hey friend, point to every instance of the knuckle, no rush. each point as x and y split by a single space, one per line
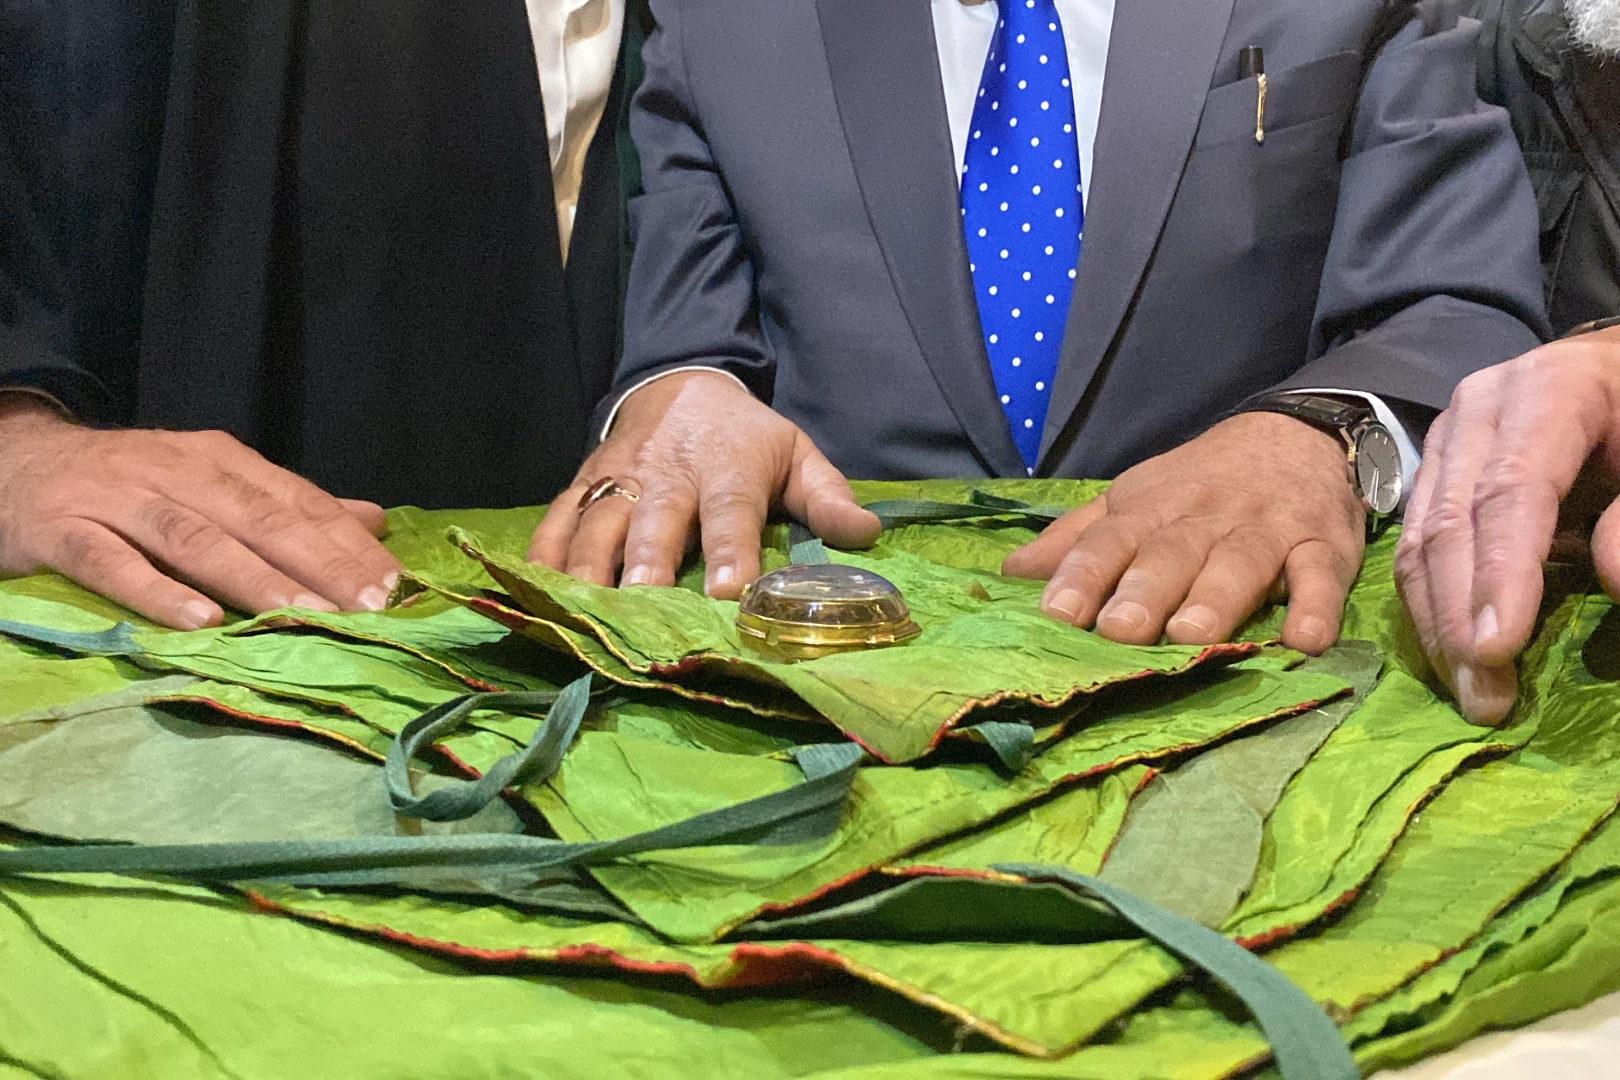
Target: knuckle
1507 478
1136 580
1434 442
1445 522
1343 567
1080 568
180 531
1408 555
1472 387
81 551
213 444
728 502
272 519
244 491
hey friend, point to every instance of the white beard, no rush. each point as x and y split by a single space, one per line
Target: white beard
1595 24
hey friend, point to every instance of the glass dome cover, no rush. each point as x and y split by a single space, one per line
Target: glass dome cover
800 612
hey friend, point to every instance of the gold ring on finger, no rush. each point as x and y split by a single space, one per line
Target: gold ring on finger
602 489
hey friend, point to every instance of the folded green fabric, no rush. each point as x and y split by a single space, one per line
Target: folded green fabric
149 984
973 653
1341 813
1571 959
1192 839
1385 828
611 785
1447 986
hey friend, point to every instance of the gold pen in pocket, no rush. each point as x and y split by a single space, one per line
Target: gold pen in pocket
1252 65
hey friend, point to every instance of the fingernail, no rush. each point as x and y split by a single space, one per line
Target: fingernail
1485 695
641 575
1314 630
721 576
1198 620
195 614
372 598
1485 627
1125 615
1065 605
309 600
390 580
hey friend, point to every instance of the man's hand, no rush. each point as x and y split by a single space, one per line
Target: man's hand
1191 542
162 521
1517 439
707 460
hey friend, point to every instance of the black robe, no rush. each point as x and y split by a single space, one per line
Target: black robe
325 226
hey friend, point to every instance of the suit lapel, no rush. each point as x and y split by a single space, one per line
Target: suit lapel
885 77
1161 61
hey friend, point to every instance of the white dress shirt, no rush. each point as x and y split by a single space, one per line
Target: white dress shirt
576 45
963 30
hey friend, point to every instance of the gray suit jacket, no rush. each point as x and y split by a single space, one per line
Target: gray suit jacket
800 226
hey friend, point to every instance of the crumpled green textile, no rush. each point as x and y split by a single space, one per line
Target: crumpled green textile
148 983
1218 803
1383 818
114 771
972 654
612 786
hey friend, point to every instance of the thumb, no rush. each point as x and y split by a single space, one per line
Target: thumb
818 495
1040 557
1606 549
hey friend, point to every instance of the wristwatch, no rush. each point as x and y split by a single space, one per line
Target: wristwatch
1373 462
1592 326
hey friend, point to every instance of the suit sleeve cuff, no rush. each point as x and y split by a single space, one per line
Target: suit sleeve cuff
1404 441
613 413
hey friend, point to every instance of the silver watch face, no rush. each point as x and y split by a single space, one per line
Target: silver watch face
1378 469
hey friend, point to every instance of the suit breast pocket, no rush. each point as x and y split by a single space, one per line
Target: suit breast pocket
1271 203
1304 94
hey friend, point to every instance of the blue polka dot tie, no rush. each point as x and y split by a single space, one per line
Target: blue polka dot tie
1021 210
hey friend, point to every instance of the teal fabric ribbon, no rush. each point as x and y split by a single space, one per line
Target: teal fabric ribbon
1305 1042
538 760
802 812
894 513
805 549
118 640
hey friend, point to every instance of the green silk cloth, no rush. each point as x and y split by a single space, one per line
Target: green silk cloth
1418 877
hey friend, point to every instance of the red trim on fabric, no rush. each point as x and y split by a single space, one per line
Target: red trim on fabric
508 618
274 721
601 956
758 964
742 967
790 905
1288 930
1270 937
457 762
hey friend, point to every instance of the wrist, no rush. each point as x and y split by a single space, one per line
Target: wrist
648 402
1280 430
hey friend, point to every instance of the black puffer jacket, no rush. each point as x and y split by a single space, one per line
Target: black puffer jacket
1565 104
